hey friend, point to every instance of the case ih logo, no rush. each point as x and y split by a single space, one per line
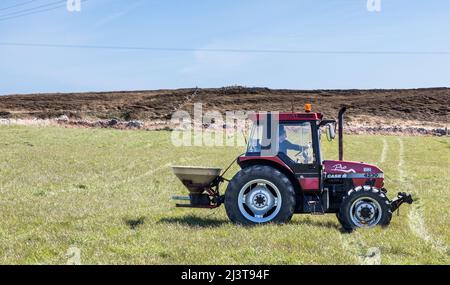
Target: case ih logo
337 176
342 168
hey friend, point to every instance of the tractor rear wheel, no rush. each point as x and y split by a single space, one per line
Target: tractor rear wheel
364 207
260 194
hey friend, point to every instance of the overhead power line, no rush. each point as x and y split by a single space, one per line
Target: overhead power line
17 5
223 50
35 10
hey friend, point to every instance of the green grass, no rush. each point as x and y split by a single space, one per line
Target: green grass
108 192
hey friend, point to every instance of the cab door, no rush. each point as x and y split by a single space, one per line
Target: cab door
305 162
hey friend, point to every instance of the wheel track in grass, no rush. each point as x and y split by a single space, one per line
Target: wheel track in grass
37 229
110 173
384 151
157 169
152 171
354 244
416 220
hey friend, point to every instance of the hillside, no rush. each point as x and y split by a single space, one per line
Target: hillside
427 106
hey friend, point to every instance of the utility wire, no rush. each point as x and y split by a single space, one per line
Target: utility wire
17 5
35 10
31 13
223 50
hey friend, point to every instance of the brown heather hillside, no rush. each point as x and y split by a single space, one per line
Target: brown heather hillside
423 105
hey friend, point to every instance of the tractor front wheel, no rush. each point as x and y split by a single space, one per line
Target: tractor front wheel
260 194
364 207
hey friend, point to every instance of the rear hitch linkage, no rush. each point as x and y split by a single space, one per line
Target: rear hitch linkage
402 197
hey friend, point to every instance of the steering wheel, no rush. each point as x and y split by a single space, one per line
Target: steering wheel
304 152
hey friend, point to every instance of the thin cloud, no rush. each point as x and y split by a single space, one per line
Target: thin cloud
117 15
217 61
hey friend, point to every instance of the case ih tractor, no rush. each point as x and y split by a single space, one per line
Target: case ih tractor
282 173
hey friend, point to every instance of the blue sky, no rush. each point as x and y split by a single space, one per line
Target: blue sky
331 25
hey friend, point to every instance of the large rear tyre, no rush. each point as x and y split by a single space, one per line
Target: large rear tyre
260 194
364 207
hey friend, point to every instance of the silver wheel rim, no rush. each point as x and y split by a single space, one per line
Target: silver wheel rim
259 201
365 212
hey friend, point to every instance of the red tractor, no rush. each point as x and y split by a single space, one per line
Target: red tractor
282 173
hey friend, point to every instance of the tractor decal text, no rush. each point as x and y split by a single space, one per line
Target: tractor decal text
354 175
342 168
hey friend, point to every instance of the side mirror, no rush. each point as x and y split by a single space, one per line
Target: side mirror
331 131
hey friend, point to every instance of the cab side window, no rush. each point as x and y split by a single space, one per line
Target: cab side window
296 142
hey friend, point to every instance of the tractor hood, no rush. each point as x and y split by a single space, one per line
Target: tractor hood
352 169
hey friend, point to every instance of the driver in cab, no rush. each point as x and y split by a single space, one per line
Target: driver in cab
285 144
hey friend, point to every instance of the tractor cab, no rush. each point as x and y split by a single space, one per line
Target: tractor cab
291 141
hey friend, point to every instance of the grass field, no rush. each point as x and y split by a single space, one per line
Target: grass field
107 193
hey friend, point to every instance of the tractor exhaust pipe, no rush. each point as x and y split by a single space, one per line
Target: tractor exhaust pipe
341 132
